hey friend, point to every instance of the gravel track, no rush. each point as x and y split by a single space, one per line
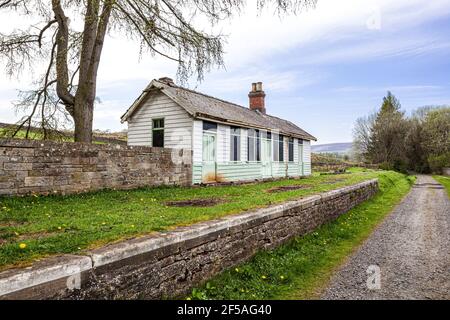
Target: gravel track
411 247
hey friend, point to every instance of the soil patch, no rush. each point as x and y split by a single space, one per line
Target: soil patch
195 203
10 237
11 223
288 188
334 181
35 235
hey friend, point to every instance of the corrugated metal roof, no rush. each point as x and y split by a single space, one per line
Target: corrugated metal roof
200 105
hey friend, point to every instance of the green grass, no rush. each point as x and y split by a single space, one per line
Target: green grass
445 181
300 268
69 224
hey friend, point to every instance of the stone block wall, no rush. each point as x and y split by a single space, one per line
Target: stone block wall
37 167
169 264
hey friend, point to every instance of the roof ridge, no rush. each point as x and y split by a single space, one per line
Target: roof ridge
203 94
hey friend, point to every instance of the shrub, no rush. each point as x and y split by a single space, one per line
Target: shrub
437 162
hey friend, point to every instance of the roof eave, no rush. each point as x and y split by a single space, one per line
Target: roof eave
202 116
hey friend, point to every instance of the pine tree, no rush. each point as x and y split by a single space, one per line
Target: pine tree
388 133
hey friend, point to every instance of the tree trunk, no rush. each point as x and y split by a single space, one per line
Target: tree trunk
93 37
83 116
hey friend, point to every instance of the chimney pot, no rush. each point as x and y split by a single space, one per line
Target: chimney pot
167 80
256 98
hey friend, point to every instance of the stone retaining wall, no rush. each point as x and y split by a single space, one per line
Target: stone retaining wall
30 166
170 264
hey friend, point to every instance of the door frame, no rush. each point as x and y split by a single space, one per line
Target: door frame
209 167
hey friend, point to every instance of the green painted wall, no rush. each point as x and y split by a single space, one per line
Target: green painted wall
245 171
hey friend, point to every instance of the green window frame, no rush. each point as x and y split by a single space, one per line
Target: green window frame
158 132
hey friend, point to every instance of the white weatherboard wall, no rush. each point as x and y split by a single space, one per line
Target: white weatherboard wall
307 157
177 123
223 143
197 142
244 135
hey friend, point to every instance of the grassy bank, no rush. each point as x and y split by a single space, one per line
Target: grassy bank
36 226
445 181
299 269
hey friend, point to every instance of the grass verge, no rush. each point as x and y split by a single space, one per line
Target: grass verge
300 268
36 226
445 181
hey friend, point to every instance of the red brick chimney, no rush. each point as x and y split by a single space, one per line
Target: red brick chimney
256 97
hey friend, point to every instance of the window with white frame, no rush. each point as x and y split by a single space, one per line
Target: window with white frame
235 144
291 150
253 145
278 148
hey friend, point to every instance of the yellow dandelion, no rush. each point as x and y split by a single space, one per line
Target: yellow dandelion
22 245
59 228
237 269
282 277
263 277
132 225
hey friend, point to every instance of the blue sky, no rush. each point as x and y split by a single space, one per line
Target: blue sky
321 69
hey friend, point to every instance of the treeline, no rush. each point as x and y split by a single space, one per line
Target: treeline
419 142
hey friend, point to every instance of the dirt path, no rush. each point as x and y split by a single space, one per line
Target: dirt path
410 249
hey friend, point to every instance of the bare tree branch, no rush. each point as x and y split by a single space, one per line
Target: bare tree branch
62 38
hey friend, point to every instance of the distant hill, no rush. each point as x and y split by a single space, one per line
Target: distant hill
341 147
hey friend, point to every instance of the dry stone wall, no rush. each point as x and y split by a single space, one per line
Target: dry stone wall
28 167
